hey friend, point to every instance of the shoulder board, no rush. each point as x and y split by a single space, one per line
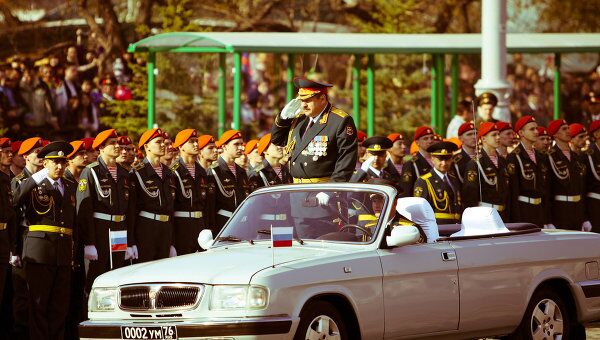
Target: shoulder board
589 151
551 151
214 165
139 166
91 165
426 176
414 158
20 177
338 112
175 166
517 150
69 180
457 157
258 168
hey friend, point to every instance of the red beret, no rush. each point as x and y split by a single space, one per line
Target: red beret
250 146
77 145
45 142
465 127
423 131
575 129
30 144
395 136
150 135
228 136
523 121
264 143
555 125
88 142
485 128
102 137
542 131
183 136
165 135
360 136
15 146
124 140
5 142
501 126
593 127
204 140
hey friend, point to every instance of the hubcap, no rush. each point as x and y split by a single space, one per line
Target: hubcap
547 321
321 328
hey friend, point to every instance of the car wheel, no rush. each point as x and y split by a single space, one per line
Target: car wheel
321 320
546 317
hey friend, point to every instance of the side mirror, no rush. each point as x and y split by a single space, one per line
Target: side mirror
205 239
403 235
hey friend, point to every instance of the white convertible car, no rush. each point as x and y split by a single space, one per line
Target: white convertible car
356 269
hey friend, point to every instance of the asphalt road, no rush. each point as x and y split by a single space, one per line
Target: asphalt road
593 331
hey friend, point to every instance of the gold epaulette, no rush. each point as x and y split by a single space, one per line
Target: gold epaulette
426 176
339 112
20 177
175 166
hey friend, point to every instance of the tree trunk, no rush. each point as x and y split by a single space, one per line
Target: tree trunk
144 13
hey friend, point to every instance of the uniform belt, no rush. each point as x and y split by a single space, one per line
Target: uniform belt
51 229
534 201
311 180
225 213
108 217
3 225
593 195
156 217
447 216
188 214
566 198
273 217
498 207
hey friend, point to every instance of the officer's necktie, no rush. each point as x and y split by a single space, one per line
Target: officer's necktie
310 123
58 188
447 180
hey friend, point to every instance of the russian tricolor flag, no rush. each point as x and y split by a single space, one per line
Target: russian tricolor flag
118 240
282 236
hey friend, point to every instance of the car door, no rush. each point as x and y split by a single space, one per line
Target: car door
420 287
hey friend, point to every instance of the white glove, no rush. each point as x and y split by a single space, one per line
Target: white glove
586 226
128 253
291 109
322 198
549 226
172 252
90 253
39 176
15 260
367 163
134 253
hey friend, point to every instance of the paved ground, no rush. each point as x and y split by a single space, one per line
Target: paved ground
593 331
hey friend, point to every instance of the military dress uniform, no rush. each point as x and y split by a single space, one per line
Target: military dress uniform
48 246
322 149
460 161
264 175
416 167
7 226
231 190
591 159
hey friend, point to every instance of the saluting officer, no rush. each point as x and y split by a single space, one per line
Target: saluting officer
102 202
486 179
396 153
320 137
7 214
439 186
375 164
468 137
231 180
152 195
591 159
567 181
528 172
48 246
420 164
191 194
270 171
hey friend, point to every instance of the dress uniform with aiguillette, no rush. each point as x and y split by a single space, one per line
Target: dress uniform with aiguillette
376 146
441 190
264 174
323 148
417 166
48 246
7 222
102 205
190 199
591 158
150 214
461 159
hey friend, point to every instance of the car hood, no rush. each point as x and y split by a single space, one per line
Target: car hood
223 265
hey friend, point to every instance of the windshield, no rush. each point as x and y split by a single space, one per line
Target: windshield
341 215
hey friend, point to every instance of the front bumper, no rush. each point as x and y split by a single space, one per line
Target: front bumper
193 328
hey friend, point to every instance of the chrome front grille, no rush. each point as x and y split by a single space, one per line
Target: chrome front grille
160 297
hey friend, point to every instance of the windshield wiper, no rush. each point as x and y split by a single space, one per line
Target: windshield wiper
268 232
231 238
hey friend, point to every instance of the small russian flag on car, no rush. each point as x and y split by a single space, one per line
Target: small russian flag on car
282 236
118 240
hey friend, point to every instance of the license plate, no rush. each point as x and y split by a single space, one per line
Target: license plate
148 332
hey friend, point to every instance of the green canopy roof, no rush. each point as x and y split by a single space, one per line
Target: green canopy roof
230 42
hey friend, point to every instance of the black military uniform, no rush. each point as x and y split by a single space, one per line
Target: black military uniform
486 184
416 167
7 230
102 205
460 161
48 246
326 150
528 187
376 146
567 189
191 208
231 190
592 161
443 194
264 175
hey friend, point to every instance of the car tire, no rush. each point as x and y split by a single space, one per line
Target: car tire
546 313
321 320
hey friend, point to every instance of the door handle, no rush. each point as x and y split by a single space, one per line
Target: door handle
448 256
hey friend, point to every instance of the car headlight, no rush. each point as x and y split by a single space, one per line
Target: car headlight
239 297
102 300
